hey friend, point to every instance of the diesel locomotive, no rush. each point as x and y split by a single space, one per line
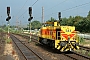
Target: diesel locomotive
62 38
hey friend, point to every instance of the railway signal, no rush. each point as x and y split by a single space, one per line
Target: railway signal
59 16
30 18
30 11
8 11
30 14
8 18
8 14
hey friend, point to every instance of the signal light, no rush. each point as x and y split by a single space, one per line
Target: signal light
8 11
59 15
30 14
8 18
30 10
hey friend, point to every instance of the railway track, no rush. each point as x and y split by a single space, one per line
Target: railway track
71 55
84 48
28 53
76 56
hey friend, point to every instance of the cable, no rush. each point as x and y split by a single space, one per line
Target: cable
26 10
34 3
70 8
22 7
58 4
38 0
22 14
75 7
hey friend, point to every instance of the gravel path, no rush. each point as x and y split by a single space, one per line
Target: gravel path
7 51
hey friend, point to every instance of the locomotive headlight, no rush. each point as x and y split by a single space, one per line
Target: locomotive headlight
63 44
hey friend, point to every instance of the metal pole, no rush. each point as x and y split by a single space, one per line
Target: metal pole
8 29
2 21
30 30
42 16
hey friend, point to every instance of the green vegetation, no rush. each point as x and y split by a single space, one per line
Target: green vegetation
35 25
82 24
88 53
83 52
81 40
8 40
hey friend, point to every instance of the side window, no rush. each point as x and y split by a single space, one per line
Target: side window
58 34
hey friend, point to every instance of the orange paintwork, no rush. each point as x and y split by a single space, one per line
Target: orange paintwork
66 36
62 31
49 33
43 31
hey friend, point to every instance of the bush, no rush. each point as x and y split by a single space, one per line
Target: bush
8 41
89 54
81 39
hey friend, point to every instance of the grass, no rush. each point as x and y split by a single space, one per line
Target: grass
7 40
88 53
83 52
82 40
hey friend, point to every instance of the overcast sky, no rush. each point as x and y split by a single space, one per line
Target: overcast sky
19 9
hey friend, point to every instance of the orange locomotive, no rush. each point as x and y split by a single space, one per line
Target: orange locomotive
63 38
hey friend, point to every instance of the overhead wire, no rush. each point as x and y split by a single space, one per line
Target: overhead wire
62 10
56 5
71 8
22 14
38 0
50 8
76 6
21 8
35 2
27 10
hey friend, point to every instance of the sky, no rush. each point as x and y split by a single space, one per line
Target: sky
19 10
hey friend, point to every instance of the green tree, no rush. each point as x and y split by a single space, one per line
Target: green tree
64 21
77 19
88 16
35 25
70 21
51 20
